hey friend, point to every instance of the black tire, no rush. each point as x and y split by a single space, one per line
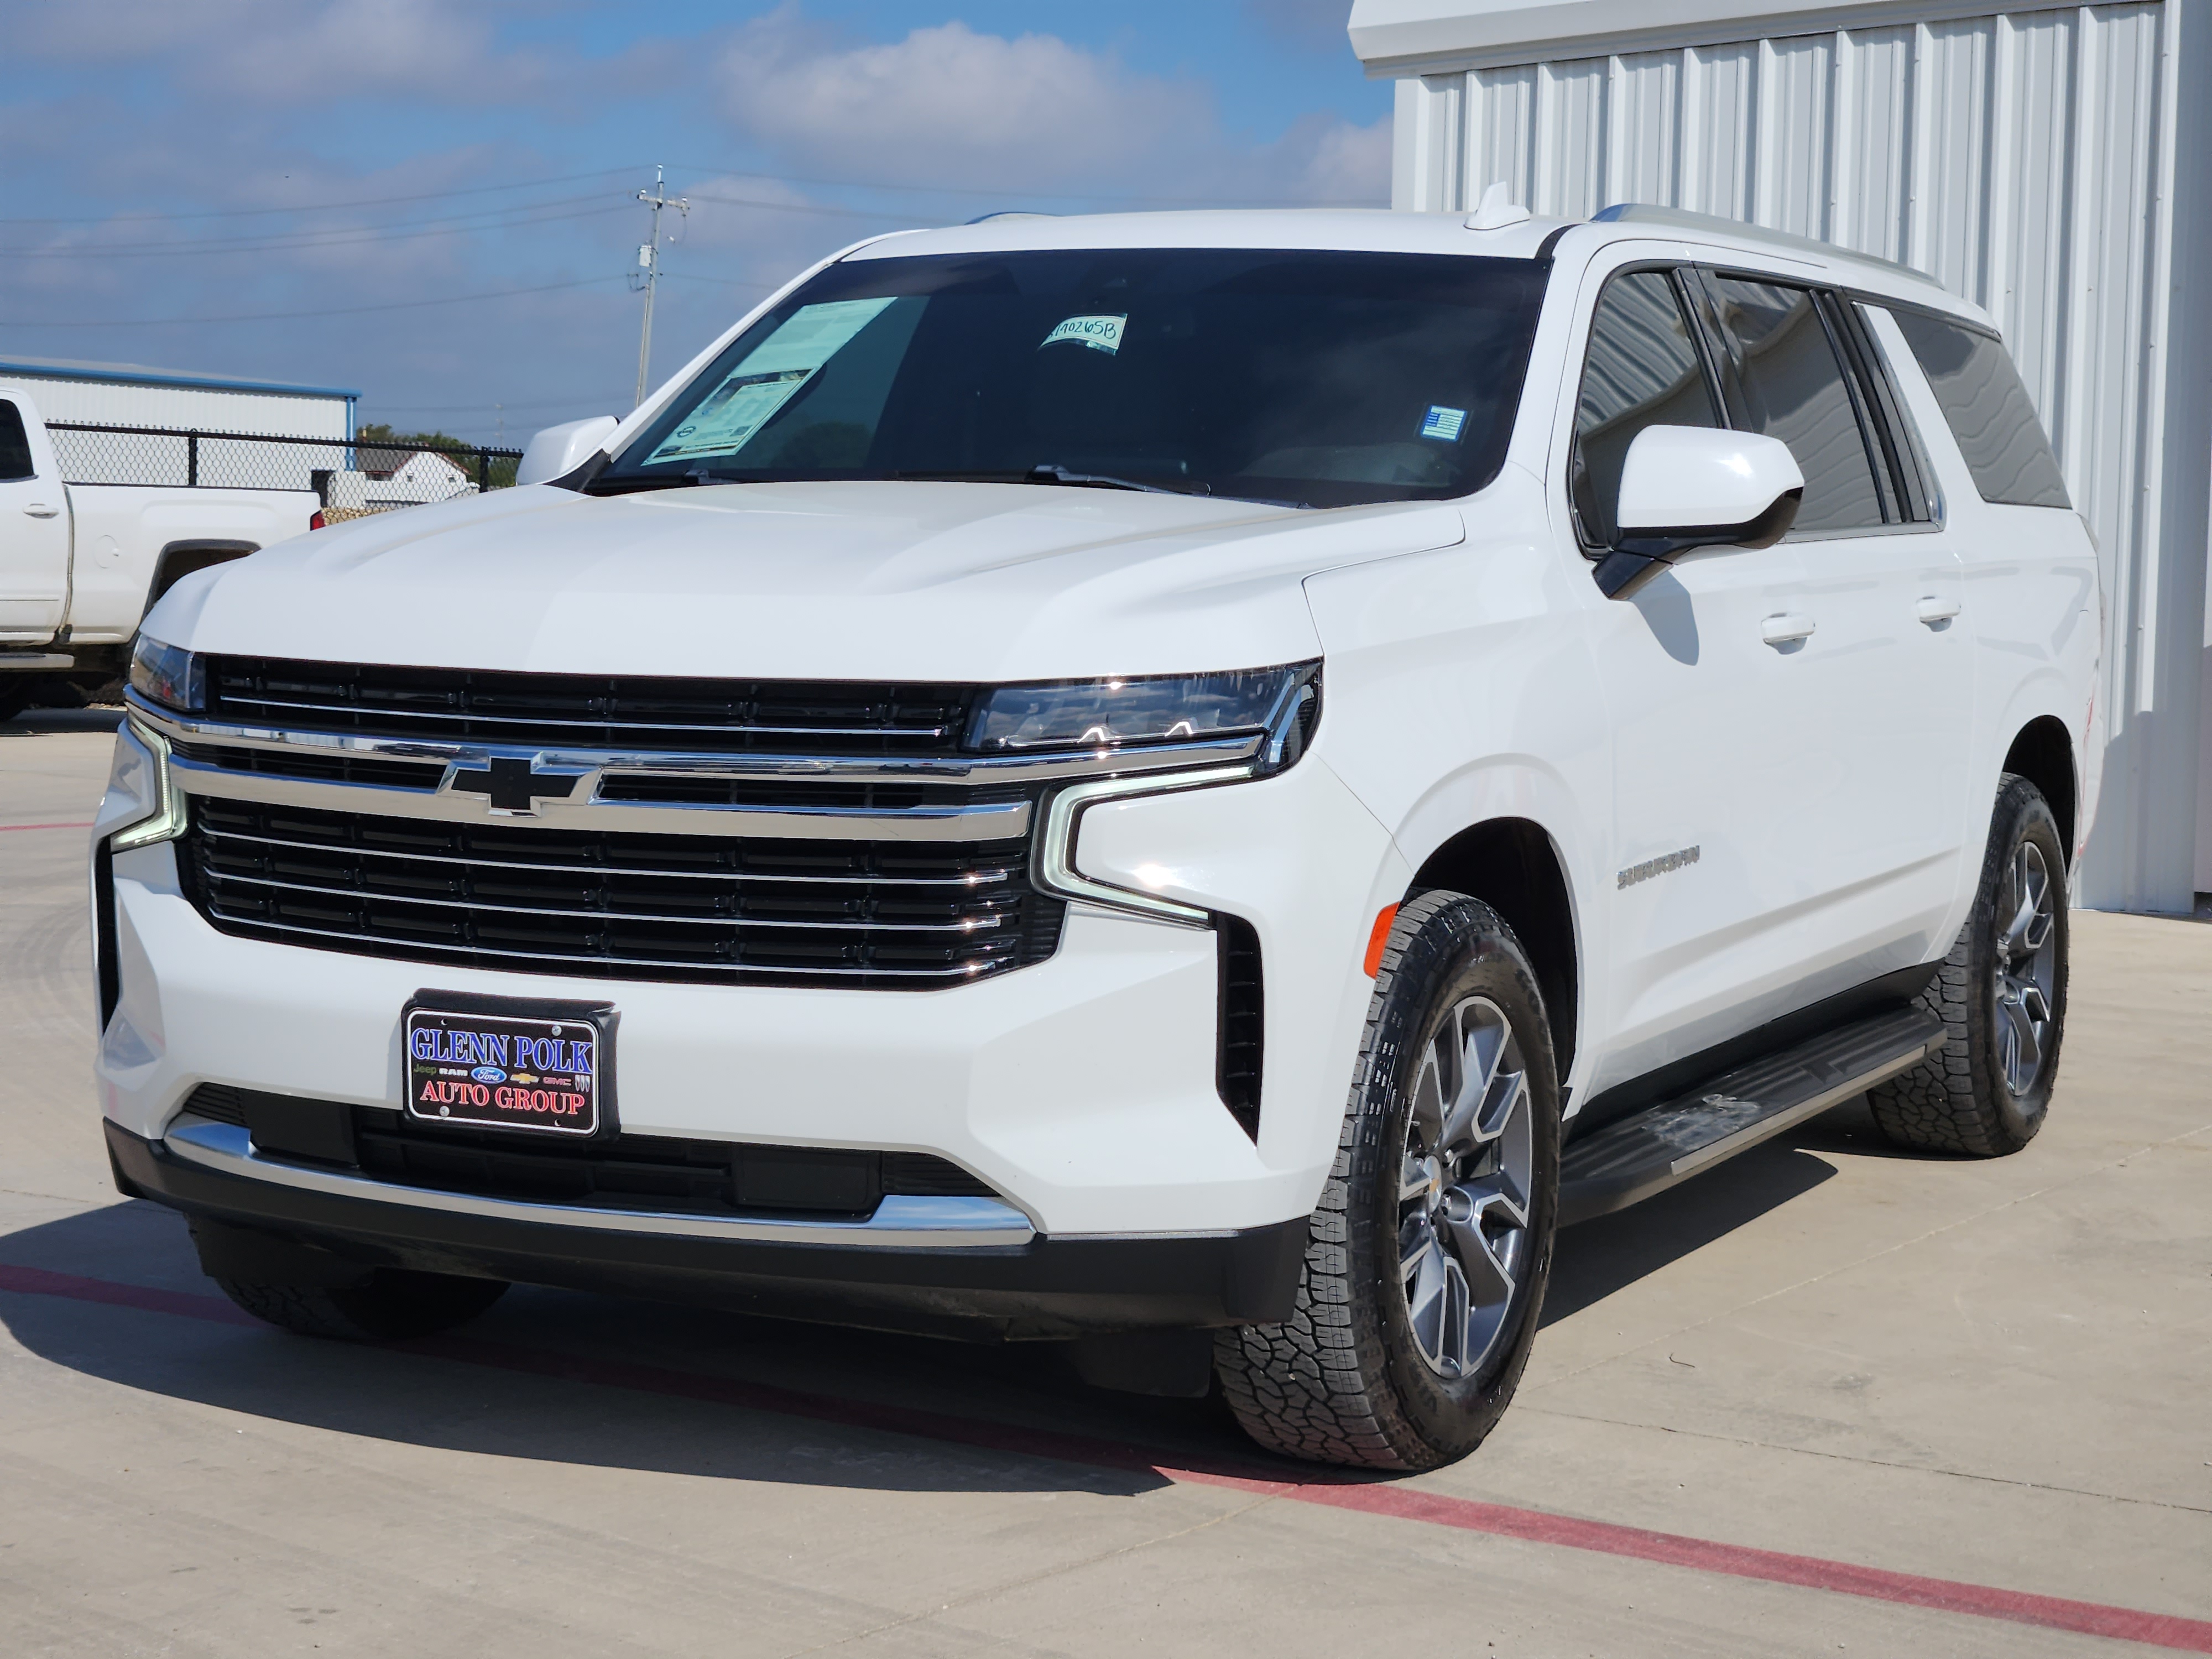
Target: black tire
1967 1098
16 691
392 1304
1351 1378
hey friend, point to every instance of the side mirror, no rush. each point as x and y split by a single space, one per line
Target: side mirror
1687 487
560 450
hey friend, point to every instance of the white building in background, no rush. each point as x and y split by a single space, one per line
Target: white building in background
2048 162
129 394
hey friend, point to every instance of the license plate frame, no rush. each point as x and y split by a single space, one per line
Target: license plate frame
462 1066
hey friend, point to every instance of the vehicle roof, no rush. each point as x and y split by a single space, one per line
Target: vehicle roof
1385 230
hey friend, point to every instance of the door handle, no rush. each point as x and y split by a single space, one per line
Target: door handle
1932 610
40 510
1786 627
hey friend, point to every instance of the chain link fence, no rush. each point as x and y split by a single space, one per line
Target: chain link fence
350 477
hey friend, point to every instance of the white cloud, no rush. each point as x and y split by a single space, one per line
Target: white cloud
292 52
950 105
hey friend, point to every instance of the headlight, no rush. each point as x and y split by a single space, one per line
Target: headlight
1281 702
169 675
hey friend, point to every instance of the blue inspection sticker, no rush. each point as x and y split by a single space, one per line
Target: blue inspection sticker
1443 424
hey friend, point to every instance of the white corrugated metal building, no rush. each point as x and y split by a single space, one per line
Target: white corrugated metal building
129 394
2044 161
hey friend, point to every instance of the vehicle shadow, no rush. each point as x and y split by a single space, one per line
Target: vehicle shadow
569 1378
1610 1253
116 1294
47 722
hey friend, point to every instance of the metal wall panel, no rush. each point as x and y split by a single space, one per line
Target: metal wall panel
2025 159
122 403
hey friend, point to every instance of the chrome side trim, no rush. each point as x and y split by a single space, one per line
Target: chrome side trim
1054 870
976 771
900 1222
988 821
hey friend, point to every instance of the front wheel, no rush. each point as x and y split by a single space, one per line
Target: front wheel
2002 994
1430 1251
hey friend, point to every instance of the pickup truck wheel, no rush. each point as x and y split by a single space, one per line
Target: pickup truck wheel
16 694
1430 1251
2002 991
394 1304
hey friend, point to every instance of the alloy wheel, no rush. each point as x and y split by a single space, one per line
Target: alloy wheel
1463 1192
2025 972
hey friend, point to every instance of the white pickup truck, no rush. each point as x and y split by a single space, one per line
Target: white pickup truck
1196 784
81 563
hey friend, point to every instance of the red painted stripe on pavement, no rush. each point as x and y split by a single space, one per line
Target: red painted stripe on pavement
87 825
1367 1497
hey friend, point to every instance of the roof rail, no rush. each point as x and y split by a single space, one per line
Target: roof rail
1640 213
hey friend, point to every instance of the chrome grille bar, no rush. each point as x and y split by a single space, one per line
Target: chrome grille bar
971 924
978 878
965 970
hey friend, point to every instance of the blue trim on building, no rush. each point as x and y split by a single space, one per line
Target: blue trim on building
55 368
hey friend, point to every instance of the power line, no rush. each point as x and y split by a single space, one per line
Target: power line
330 207
1042 194
304 240
341 311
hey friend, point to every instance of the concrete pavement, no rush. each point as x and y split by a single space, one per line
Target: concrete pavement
1990 1372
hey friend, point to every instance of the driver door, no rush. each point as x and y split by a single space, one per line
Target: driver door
1721 749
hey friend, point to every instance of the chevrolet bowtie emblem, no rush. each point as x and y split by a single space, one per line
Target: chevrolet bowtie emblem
514 786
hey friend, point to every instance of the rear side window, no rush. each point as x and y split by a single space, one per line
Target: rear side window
1988 410
1643 371
15 446
1786 381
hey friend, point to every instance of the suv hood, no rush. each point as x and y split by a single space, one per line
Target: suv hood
855 581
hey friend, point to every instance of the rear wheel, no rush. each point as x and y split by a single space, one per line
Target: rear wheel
2001 993
1417 1306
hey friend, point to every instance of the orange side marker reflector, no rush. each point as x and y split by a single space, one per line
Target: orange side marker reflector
1378 938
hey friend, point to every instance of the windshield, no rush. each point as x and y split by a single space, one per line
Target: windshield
1319 379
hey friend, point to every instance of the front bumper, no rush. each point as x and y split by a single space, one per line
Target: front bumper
1083 1088
1029 1286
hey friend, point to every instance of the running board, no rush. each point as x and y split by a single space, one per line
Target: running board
1627 1162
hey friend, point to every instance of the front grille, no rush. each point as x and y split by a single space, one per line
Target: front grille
885 915
621 712
324 765
620 1171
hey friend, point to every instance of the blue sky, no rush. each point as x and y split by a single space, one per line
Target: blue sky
276 187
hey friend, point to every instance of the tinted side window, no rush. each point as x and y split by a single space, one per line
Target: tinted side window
1643 371
14 446
1988 411
1789 384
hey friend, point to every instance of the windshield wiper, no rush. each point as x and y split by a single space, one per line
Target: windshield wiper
1052 472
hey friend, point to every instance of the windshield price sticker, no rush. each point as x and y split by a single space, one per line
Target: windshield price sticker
497 1071
1099 333
733 413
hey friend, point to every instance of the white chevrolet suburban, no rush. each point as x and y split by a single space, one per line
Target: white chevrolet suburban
1192 784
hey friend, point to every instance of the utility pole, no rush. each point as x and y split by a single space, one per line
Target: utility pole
648 263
